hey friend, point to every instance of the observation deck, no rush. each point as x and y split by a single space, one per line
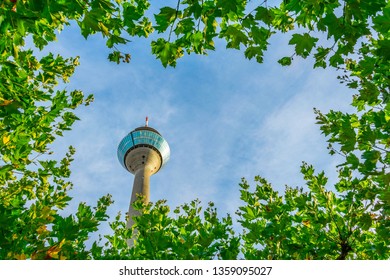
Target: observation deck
146 137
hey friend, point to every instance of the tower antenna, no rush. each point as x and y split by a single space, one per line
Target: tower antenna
147 121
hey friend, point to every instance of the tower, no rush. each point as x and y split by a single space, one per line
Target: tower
142 152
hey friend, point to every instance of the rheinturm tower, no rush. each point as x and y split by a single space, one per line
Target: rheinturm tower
142 152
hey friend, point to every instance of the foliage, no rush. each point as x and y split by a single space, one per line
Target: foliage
32 113
192 234
351 222
313 224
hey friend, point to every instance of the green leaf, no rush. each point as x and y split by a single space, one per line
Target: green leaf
264 15
382 22
384 49
165 18
285 61
365 221
114 40
371 158
353 161
235 37
303 44
320 57
167 52
254 52
197 41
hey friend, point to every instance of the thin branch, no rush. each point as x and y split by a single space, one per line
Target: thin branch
382 149
200 18
173 23
261 4
337 152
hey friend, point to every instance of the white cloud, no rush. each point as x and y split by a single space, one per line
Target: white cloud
289 135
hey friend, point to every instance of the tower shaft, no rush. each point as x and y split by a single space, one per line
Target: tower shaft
141 186
145 162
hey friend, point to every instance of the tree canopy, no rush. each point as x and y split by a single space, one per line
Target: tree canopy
353 222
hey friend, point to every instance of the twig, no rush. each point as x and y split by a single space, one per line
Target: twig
173 23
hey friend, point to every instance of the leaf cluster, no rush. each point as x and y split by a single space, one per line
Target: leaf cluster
33 112
313 224
192 233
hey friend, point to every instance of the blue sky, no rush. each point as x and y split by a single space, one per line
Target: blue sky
223 116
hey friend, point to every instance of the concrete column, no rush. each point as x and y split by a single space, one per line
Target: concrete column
141 186
143 162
